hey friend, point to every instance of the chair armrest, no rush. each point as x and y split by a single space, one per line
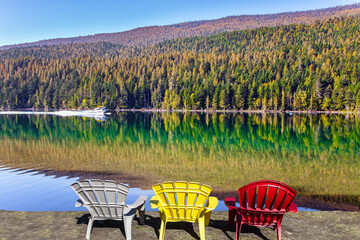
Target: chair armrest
155 202
79 203
292 207
211 203
139 203
230 203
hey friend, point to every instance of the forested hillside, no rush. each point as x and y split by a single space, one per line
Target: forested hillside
148 36
294 67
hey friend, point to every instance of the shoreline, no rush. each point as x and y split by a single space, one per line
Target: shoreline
233 111
187 110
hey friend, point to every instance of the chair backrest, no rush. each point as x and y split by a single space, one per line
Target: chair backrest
263 203
103 199
266 195
182 201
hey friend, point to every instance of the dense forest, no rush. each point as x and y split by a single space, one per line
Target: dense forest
294 67
148 36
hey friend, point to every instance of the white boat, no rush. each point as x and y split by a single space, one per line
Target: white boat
100 111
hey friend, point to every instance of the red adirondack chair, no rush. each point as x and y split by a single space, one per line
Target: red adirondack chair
262 204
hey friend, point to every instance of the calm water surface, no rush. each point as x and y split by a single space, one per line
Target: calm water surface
29 190
318 155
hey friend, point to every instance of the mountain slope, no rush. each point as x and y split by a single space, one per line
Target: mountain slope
294 67
147 36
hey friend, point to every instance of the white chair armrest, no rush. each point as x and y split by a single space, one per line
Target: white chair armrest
139 203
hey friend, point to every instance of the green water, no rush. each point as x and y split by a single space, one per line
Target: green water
318 155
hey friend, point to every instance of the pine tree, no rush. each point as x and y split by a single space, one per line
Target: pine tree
215 102
176 101
283 101
239 99
166 104
358 102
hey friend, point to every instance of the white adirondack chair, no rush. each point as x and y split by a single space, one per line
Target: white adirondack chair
105 200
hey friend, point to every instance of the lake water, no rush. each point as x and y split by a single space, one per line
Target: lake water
29 190
41 155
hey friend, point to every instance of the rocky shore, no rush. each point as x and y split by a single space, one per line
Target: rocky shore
72 225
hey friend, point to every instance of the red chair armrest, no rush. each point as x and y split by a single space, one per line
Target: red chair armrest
230 203
292 207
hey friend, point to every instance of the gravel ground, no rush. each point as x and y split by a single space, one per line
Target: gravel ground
72 225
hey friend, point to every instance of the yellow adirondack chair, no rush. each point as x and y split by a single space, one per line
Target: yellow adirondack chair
182 201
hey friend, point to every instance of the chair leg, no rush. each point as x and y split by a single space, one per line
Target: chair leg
278 229
202 227
142 216
207 218
127 226
231 217
238 227
162 227
141 211
89 228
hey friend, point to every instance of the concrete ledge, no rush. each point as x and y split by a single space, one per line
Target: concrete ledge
72 225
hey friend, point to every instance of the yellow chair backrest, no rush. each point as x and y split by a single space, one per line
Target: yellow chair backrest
182 201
